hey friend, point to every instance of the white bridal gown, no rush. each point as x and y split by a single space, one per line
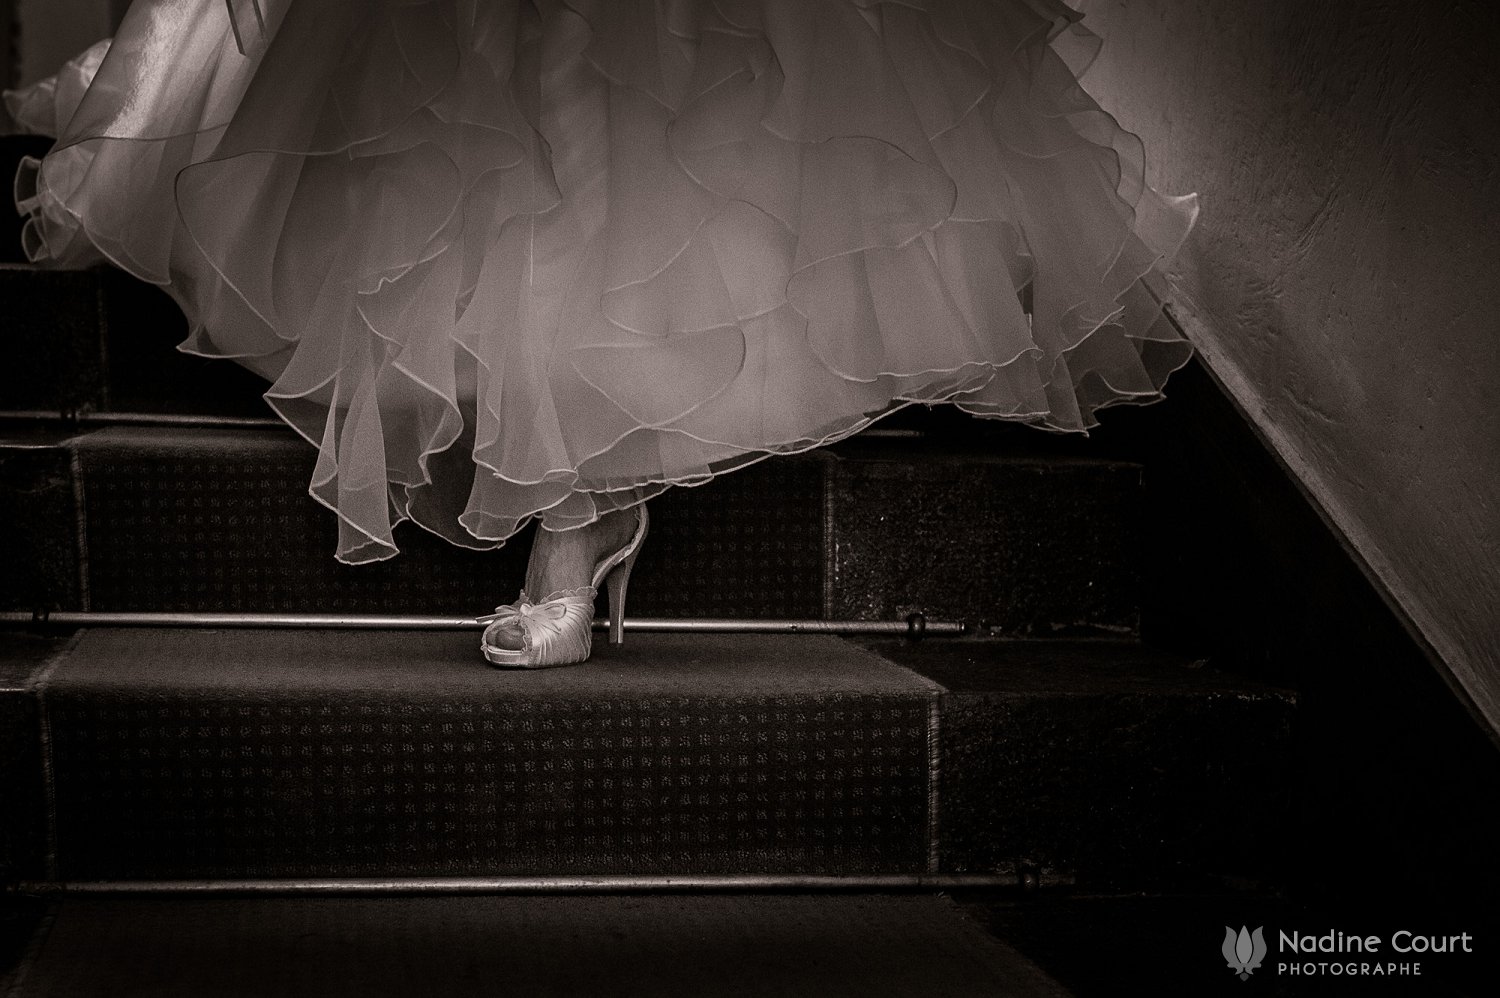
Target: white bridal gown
503 259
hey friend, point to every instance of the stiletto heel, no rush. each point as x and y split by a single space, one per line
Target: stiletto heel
615 572
618 582
559 629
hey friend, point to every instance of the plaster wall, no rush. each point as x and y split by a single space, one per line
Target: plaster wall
1345 279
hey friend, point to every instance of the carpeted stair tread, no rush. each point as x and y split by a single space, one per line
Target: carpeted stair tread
840 945
154 664
265 754
185 754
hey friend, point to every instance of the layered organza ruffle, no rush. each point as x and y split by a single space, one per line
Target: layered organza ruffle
514 259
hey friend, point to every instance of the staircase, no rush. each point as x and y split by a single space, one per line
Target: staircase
980 712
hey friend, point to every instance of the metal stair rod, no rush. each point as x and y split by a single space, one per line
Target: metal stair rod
578 884
915 625
163 419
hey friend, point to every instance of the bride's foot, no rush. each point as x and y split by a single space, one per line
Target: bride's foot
566 559
564 571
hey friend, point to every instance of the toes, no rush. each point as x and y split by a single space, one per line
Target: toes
506 639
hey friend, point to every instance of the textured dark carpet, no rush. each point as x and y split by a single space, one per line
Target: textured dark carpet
1130 769
864 946
179 520
173 519
179 754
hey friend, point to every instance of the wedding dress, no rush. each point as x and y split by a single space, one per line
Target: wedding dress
504 260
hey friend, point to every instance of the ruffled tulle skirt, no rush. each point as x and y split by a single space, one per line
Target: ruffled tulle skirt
504 260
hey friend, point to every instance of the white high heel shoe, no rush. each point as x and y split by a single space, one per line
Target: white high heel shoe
560 629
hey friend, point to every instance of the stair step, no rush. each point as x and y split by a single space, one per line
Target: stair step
180 520
182 755
1111 760
98 340
537 946
252 755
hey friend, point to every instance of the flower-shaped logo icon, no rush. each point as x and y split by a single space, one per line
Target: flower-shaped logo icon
1244 950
